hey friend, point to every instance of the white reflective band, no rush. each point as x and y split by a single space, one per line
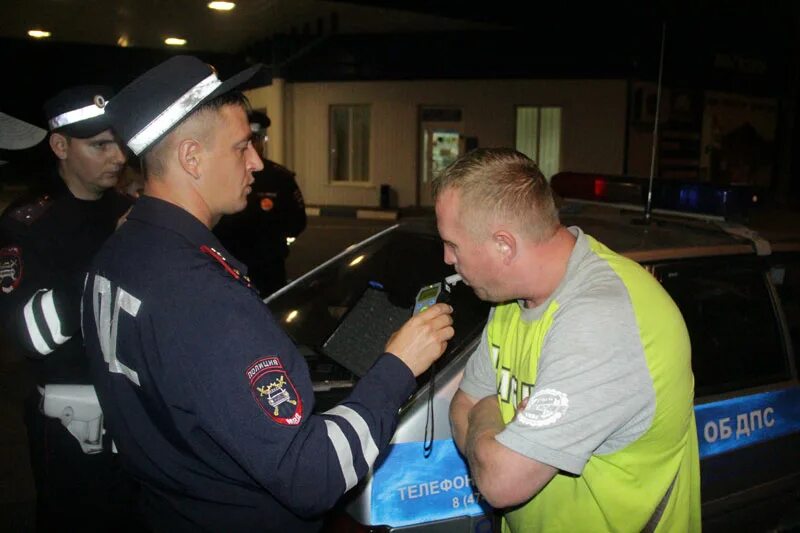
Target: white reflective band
173 114
368 448
51 317
343 452
38 341
76 115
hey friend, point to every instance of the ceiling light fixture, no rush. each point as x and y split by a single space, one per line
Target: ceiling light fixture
221 6
175 41
39 34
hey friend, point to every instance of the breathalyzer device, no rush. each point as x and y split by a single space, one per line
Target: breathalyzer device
435 292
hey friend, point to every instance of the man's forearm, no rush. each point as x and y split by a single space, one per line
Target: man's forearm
484 422
459 415
503 476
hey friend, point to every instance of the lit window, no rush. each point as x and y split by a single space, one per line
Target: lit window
539 137
349 143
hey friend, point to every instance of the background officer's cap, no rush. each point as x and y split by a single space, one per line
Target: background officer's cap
153 104
18 135
259 121
79 111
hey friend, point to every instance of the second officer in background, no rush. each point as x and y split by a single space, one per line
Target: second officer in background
275 210
47 238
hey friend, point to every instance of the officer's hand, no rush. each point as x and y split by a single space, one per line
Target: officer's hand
422 339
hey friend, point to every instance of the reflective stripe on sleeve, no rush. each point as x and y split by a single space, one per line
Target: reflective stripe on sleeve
51 317
39 311
35 334
368 447
343 452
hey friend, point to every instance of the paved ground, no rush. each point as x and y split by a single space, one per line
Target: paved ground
324 238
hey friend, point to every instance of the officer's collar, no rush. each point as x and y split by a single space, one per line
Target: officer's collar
160 213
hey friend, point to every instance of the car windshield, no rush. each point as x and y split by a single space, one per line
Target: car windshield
342 314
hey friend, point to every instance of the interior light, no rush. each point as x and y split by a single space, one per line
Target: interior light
123 41
291 316
39 34
221 6
175 41
356 261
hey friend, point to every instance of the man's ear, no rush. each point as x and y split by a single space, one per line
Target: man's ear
190 156
59 145
506 245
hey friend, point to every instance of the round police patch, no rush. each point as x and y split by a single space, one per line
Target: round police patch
266 204
10 268
545 407
274 391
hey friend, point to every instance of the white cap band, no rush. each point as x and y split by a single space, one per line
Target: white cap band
173 114
76 115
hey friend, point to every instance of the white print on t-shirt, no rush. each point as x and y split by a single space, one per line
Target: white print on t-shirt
545 407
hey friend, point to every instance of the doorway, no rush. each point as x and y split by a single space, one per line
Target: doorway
441 143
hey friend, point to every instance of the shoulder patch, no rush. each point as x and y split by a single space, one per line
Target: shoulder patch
234 272
266 204
544 408
10 268
30 212
274 392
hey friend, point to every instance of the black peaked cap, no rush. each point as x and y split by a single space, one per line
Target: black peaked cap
153 104
74 99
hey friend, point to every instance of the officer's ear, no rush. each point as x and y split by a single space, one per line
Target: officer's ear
189 156
59 144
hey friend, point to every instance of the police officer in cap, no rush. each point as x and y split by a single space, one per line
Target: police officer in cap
47 239
275 210
209 403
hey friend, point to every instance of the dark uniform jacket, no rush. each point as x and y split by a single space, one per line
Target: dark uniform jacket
209 402
47 239
257 235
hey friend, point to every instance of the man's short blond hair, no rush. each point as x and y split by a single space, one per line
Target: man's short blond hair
500 185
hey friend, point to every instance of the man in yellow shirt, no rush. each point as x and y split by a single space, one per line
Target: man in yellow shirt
576 410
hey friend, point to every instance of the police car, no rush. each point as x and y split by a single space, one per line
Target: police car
738 290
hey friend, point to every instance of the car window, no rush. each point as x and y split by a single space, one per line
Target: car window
729 312
785 275
348 309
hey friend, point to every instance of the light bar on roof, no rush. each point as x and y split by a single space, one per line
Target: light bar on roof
673 195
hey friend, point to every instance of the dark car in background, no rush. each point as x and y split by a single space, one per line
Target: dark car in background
739 293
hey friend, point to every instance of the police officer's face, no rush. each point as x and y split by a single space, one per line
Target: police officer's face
94 164
232 160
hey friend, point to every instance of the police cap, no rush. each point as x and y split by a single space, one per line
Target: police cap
79 111
153 104
259 121
18 135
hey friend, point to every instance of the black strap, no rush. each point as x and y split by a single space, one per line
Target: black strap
652 524
427 445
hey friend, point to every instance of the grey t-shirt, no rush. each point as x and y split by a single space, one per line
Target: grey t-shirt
593 393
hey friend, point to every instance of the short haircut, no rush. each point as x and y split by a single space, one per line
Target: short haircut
155 156
500 184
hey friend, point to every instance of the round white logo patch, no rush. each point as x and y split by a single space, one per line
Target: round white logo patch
544 408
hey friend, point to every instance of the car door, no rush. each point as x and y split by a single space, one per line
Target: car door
747 396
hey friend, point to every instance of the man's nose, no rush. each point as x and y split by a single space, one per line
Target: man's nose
254 160
449 258
118 155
